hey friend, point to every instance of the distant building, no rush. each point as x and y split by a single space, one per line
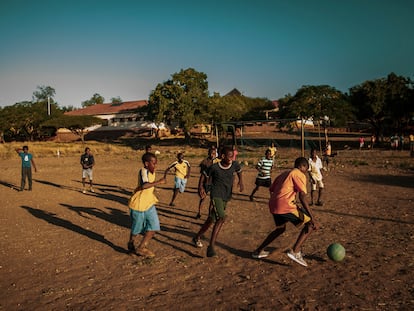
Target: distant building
116 114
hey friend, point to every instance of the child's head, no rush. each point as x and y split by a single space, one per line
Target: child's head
211 153
180 157
302 164
313 153
150 161
268 154
226 156
148 148
25 148
87 150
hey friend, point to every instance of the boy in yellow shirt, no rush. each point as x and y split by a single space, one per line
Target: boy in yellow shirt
143 213
182 173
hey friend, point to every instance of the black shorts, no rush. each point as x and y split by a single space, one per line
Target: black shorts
260 182
298 218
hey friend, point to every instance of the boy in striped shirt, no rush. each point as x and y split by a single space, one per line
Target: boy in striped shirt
263 178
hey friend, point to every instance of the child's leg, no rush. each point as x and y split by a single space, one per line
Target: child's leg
175 193
312 192
204 228
304 234
253 192
216 230
320 195
271 237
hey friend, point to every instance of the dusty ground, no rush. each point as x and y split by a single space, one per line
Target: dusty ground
64 250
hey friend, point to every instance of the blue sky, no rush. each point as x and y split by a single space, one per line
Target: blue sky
262 48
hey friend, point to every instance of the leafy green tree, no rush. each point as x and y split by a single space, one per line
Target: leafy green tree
382 101
76 124
316 102
44 93
95 99
184 99
116 100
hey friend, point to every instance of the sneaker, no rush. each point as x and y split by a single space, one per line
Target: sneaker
83 191
145 252
311 203
319 203
197 242
297 257
92 190
211 252
262 254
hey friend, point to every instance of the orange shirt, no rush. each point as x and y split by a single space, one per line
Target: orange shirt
284 189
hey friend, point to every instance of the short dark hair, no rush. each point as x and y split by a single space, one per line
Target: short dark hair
301 161
87 148
147 156
25 147
226 149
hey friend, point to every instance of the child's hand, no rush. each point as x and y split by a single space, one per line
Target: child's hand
162 180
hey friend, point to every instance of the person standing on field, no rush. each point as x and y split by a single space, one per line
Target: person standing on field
87 162
220 177
284 209
143 213
27 162
182 173
264 167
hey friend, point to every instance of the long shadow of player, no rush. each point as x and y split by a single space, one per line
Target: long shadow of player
60 222
9 185
115 216
49 183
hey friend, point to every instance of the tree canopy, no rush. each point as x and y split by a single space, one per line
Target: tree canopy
183 98
95 99
384 101
317 102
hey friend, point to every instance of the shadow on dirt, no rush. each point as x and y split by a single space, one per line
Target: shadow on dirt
60 222
389 180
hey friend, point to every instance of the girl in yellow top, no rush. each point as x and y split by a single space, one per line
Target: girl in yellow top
182 173
143 213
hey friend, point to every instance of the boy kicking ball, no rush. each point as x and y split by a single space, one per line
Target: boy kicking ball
283 208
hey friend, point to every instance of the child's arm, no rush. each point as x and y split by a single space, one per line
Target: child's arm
241 186
34 165
18 150
201 190
304 201
188 171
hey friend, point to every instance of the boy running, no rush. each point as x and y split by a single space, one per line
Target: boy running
142 209
284 209
263 178
220 177
203 188
182 173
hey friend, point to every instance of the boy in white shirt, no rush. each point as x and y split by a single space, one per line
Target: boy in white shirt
315 175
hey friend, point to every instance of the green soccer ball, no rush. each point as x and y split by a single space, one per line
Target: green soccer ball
336 252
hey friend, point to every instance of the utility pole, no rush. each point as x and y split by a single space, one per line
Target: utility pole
48 105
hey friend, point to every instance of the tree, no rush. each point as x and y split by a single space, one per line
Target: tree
384 100
184 99
316 102
43 94
76 124
95 99
116 100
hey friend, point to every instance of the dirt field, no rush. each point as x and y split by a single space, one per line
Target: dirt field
64 250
